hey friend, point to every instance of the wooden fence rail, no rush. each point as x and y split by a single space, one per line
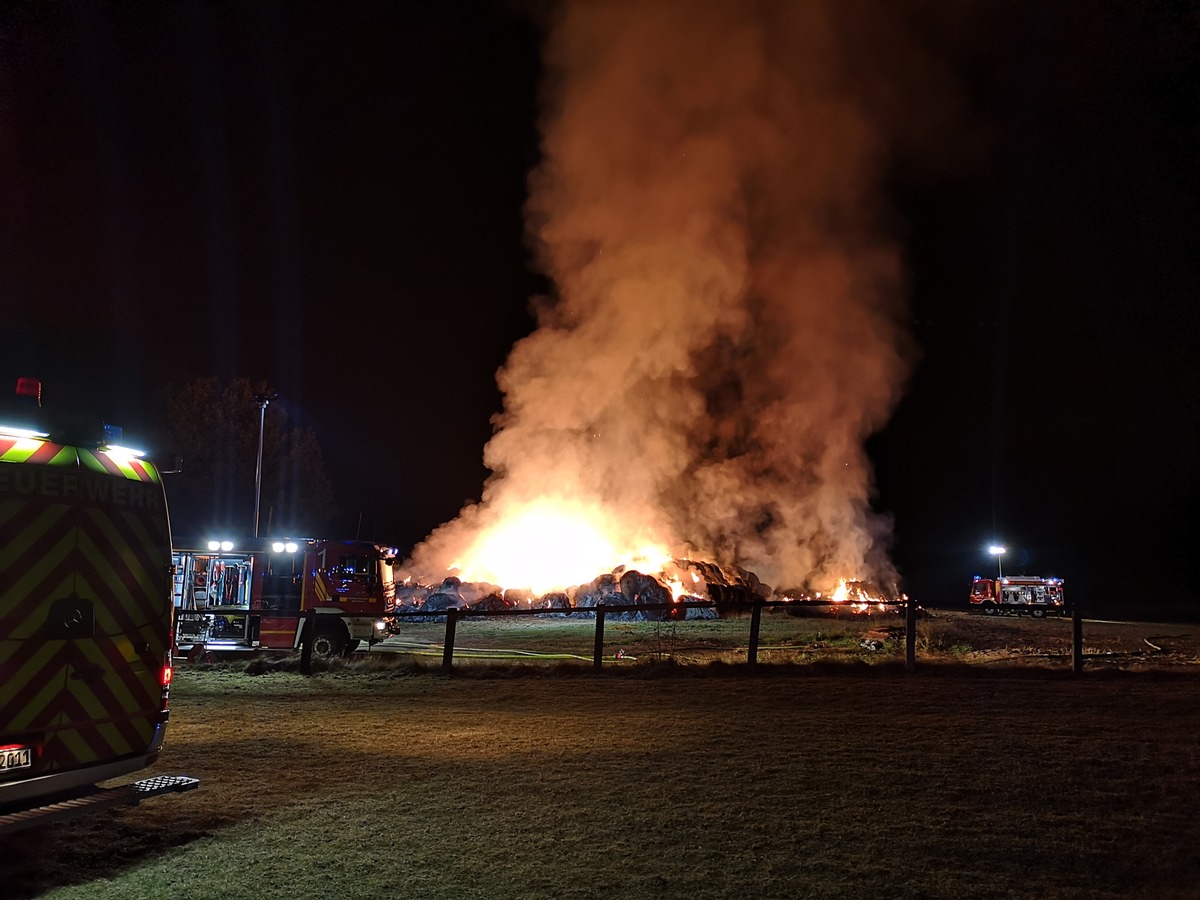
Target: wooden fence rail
452 616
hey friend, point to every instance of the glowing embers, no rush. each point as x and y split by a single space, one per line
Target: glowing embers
681 588
853 596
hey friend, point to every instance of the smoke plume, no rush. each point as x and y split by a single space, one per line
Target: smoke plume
727 324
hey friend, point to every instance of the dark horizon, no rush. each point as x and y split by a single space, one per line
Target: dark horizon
330 200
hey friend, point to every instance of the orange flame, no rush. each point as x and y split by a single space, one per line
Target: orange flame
549 545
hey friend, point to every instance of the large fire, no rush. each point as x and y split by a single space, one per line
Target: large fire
551 544
556 547
725 322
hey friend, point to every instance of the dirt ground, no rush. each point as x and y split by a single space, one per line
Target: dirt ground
839 780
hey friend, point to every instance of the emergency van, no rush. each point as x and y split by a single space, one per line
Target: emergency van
85 617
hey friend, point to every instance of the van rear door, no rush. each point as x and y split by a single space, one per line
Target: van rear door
84 608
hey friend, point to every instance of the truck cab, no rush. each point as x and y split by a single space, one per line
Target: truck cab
264 594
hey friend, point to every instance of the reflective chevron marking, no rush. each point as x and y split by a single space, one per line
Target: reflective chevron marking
119 464
33 706
321 588
32 450
94 535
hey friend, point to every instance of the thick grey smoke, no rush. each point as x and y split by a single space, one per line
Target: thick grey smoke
726 329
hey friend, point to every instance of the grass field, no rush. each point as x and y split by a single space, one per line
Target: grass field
694 641
846 778
788 639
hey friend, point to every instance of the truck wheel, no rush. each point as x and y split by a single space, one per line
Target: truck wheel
1037 612
352 646
330 641
989 608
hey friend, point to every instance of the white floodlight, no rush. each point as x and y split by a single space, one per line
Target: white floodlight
119 451
26 433
997 551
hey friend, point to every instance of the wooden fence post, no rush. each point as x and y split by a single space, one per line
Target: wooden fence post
910 635
448 649
755 623
306 641
598 646
1076 639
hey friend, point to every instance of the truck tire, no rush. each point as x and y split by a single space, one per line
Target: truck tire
330 640
1037 612
989 608
352 646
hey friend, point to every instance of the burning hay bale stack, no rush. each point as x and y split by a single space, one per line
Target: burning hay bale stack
629 587
851 597
411 596
682 583
646 590
553 601
603 590
732 588
445 596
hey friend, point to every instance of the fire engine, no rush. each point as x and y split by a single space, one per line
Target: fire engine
1018 595
85 617
257 594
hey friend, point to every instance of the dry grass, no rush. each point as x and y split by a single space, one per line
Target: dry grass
786 639
836 779
782 639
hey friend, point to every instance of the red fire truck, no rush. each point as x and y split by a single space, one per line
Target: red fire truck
256 595
85 617
1018 595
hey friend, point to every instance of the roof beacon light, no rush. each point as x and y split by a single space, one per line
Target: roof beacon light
31 388
27 399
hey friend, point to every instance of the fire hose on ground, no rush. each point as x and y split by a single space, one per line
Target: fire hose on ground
432 649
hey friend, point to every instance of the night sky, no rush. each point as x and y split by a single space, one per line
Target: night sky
328 197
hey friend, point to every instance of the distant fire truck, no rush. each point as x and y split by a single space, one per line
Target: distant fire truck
256 595
1018 595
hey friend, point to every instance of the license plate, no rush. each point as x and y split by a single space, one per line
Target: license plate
15 758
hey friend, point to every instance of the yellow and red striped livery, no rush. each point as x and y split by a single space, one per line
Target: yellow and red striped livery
85 616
